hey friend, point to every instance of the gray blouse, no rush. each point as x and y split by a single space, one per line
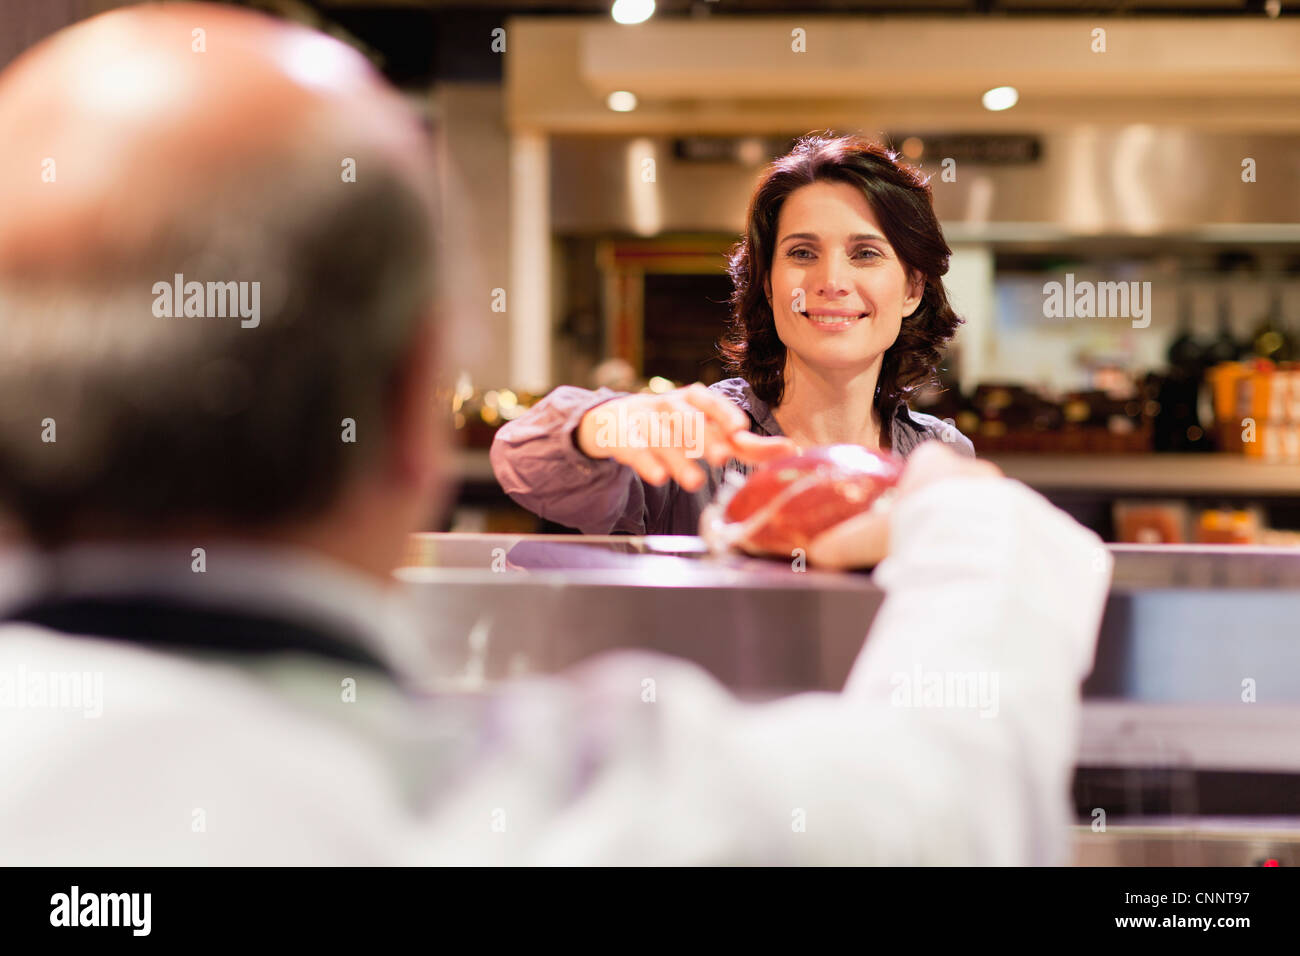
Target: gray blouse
539 465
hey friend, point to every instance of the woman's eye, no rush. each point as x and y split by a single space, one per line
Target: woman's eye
806 255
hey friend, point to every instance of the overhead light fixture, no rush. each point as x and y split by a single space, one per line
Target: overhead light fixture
1001 98
632 11
621 101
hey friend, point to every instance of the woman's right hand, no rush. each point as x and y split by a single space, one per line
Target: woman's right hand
661 436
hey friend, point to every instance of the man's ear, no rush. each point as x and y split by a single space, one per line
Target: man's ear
419 429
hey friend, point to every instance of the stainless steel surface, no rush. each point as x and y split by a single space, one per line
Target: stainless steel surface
1216 626
1184 625
1134 180
1258 738
1206 566
505 605
1190 842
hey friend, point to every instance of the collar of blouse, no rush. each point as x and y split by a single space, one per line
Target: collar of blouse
905 433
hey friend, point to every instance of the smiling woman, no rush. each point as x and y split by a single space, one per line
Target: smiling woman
838 315
839 312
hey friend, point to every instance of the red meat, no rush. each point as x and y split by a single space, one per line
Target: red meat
788 502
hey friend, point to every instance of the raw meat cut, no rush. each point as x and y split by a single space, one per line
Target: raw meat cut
786 503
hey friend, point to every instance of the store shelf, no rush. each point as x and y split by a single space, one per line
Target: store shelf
1152 473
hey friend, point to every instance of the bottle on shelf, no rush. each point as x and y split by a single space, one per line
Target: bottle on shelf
1187 357
1224 347
1178 425
1271 340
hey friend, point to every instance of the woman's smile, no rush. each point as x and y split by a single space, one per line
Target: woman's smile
833 320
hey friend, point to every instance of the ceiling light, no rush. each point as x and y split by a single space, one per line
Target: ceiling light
621 101
632 11
1001 98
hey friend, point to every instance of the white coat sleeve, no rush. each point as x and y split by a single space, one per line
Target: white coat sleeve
954 739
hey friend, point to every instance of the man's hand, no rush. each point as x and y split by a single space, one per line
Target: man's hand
863 541
661 436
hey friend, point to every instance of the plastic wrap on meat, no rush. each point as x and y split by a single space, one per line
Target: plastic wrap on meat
786 503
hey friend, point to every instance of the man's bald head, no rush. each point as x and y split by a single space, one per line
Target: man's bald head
138 112
234 151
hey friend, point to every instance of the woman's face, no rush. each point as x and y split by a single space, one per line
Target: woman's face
838 290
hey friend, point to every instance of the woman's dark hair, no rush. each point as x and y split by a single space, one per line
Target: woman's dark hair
900 197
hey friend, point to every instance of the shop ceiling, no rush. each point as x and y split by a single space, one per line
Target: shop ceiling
924 73
423 41
742 7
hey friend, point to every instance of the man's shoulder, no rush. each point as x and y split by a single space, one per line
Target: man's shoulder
207 744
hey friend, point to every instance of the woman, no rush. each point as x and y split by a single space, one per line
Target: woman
839 314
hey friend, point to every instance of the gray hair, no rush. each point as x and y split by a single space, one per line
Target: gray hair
159 421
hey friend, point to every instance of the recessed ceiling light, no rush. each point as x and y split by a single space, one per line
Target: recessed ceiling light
621 101
632 11
1001 98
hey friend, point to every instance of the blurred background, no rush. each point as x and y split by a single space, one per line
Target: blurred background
596 177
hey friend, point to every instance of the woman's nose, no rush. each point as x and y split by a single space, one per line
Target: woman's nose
834 279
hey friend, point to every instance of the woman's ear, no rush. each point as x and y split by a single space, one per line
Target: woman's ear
915 292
